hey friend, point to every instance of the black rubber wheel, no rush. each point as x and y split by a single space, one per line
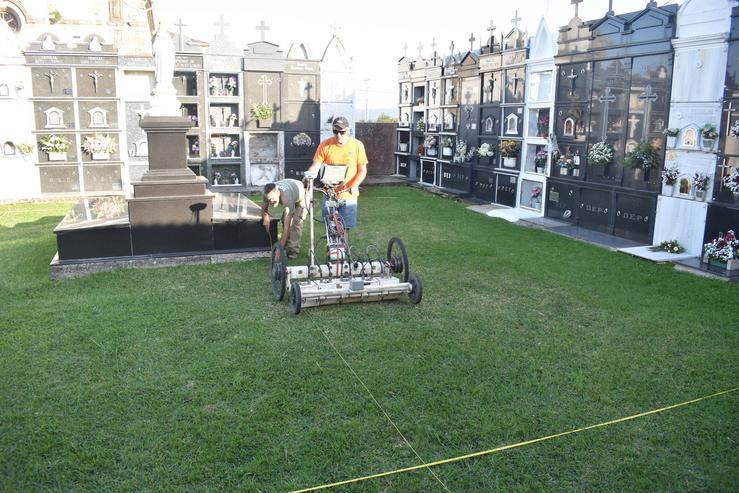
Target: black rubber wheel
398 258
295 302
416 289
278 274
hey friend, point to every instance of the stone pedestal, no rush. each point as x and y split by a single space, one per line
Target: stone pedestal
171 209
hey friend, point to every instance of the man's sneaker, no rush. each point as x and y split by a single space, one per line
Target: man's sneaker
292 255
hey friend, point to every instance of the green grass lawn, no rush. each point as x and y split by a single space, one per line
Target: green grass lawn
194 379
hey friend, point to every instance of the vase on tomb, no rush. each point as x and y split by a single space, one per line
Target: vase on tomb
563 170
263 123
509 162
700 195
575 171
57 156
100 156
403 147
638 174
707 144
668 190
446 151
431 151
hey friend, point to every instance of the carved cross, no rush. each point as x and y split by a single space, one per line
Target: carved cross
515 78
606 99
433 45
648 96
572 78
610 7
492 27
405 50
94 76
302 84
221 24
576 4
264 82
420 48
471 40
51 75
180 25
263 28
632 127
515 20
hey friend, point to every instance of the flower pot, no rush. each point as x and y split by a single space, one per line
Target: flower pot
431 152
575 171
700 195
57 156
668 190
540 169
732 264
707 144
563 171
509 162
264 123
100 156
671 142
446 151
403 147
638 174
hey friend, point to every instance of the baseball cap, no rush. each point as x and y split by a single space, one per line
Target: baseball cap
340 122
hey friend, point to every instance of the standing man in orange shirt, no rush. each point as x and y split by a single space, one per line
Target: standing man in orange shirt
343 149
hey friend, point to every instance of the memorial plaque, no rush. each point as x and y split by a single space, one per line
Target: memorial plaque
634 217
301 87
514 85
483 184
95 82
102 178
188 62
562 201
301 116
573 83
59 179
506 189
52 82
428 172
596 210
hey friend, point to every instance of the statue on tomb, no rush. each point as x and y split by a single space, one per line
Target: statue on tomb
164 101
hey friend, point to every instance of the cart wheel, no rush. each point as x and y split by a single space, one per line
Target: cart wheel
398 258
416 289
295 302
279 271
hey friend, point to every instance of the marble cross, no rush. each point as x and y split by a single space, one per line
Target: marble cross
606 99
51 75
180 25
648 96
576 3
572 78
471 40
633 121
94 76
420 48
515 20
222 24
263 28
515 78
405 50
264 82
610 7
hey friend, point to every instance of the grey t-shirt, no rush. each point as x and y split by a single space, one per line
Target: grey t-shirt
292 193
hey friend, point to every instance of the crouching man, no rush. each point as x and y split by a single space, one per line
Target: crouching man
291 194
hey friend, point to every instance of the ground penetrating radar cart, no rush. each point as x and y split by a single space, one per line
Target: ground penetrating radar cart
344 277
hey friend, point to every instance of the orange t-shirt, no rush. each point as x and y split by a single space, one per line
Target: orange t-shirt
352 154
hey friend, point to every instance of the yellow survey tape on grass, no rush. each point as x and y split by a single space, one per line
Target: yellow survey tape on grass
512 446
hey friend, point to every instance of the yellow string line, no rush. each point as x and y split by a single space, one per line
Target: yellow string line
325 335
512 446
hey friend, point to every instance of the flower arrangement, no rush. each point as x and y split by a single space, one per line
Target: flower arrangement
669 246
231 83
217 178
540 158
734 131
233 148
54 143
566 160
700 181
419 150
601 154
24 148
671 132
542 125
670 175
421 124
302 140
99 144
731 181
447 142
212 83
641 156
723 248
430 142
536 193
509 148
472 153
460 152
486 150
234 178
261 111
708 131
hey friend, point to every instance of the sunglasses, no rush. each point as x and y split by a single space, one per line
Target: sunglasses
342 132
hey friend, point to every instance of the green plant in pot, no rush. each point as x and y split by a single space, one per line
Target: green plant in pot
641 158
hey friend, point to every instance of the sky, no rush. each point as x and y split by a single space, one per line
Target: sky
375 32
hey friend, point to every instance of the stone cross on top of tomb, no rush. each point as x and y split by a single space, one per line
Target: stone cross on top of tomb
420 48
262 28
472 40
405 49
606 99
610 8
221 24
490 30
576 3
515 20
179 25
